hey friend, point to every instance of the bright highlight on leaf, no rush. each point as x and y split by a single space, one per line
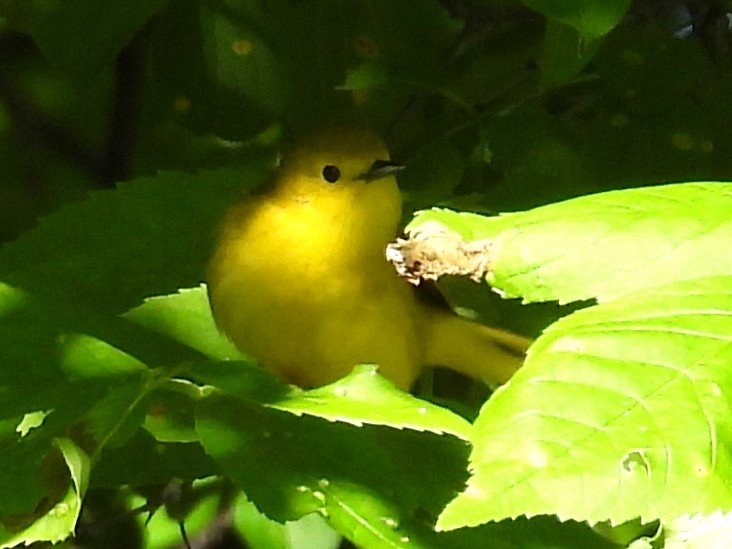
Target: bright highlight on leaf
699 531
364 397
185 317
59 522
621 410
603 245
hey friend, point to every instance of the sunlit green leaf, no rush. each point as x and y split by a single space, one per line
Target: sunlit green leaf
261 532
365 398
621 410
374 484
59 522
170 416
604 245
186 317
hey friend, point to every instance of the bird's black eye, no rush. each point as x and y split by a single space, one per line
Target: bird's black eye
331 173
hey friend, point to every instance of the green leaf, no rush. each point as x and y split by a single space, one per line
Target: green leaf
185 317
243 379
115 418
29 346
78 463
622 410
170 416
143 461
378 487
83 36
542 532
604 245
59 522
366 398
151 236
365 480
261 532
20 477
565 55
47 364
67 358
592 18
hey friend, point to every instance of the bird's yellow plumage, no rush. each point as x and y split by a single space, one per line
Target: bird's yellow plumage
299 281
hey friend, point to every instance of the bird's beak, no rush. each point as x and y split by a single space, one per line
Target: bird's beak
379 169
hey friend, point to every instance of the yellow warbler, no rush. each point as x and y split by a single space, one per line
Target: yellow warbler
299 280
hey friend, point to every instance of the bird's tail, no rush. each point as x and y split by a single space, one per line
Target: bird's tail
473 349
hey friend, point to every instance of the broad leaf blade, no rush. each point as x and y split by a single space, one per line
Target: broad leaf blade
239 378
59 522
604 245
379 487
151 236
82 36
376 485
261 532
49 362
365 398
622 410
185 316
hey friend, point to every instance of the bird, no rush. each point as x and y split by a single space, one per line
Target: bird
298 278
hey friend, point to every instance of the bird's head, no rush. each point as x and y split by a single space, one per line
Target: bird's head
347 173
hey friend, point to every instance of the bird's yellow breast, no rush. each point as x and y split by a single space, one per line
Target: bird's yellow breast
299 281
